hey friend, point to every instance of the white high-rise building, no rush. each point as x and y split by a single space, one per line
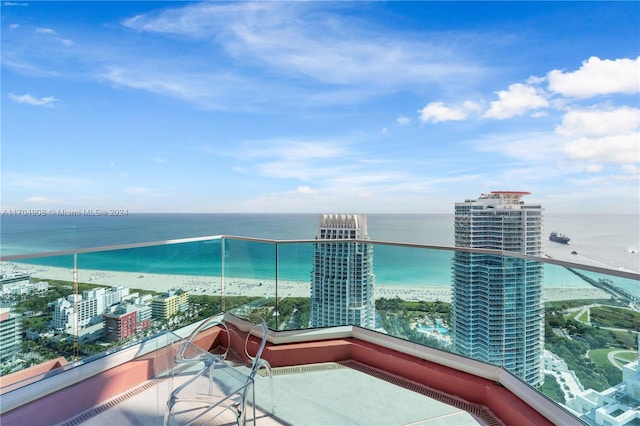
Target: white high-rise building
342 279
497 314
10 334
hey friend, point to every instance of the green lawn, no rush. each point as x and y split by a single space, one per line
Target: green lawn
575 316
611 316
600 356
583 318
627 356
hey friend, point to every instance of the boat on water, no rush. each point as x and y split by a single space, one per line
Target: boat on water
559 238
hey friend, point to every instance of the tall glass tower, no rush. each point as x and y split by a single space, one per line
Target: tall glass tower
497 314
342 278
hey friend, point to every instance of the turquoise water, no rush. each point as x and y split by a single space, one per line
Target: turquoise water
392 265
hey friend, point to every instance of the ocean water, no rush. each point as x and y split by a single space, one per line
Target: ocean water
610 241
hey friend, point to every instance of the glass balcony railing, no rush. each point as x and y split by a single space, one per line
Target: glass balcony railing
535 317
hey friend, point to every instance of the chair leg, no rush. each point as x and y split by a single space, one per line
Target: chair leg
265 364
253 398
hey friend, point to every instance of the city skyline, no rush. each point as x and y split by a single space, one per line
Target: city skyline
396 107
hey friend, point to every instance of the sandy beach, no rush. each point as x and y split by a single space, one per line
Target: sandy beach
213 285
262 288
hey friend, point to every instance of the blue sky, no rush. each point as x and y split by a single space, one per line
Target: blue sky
371 107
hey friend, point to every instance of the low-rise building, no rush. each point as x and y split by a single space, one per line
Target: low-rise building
126 321
78 311
18 284
170 303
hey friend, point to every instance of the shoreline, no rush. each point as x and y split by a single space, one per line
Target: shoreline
209 285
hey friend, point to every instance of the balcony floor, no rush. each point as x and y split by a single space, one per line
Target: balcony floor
314 394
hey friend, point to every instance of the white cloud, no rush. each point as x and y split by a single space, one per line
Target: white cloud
594 168
403 120
332 167
471 106
436 112
598 77
304 190
311 55
28 99
209 89
45 31
306 171
518 100
293 150
618 149
42 200
598 123
303 160
538 147
535 80
631 169
51 32
298 38
602 136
